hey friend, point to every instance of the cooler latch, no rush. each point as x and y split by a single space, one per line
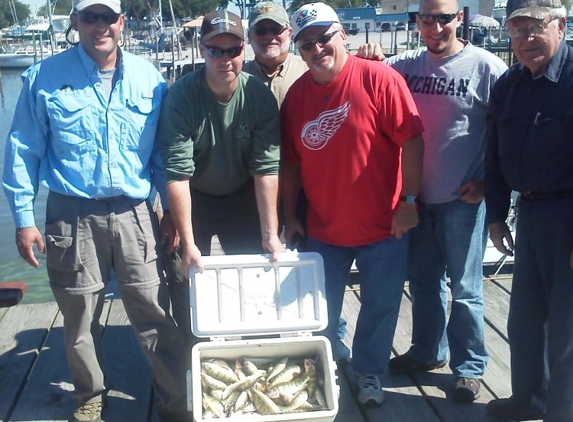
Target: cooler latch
296 334
225 338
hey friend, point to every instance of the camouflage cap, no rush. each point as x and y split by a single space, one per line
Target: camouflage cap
536 9
268 10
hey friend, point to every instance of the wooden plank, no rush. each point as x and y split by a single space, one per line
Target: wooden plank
348 408
128 373
496 305
496 302
23 330
3 312
48 393
403 401
437 385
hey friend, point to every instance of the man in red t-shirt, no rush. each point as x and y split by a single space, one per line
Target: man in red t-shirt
352 137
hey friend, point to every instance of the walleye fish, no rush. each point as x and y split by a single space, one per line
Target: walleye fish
288 374
222 373
243 384
263 403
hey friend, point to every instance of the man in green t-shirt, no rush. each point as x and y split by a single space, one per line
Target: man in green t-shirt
219 139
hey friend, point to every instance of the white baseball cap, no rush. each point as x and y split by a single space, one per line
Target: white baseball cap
114 5
313 14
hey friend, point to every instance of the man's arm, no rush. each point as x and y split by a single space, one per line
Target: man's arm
179 199
406 215
266 190
25 147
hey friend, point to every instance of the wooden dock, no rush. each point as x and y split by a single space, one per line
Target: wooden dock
35 383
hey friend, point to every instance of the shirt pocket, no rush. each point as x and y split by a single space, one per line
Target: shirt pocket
142 114
72 124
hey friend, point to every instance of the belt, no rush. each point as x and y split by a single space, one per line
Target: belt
109 198
542 196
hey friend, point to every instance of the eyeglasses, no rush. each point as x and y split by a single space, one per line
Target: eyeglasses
533 29
218 53
275 30
443 19
323 39
91 17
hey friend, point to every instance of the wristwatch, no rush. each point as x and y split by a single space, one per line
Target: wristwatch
408 199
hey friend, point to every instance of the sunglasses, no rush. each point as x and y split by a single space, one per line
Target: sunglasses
443 19
275 30
218 53
91 17
323 39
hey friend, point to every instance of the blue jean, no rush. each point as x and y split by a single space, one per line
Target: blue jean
448 241
382 267
540 323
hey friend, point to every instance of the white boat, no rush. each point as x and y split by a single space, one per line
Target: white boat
20 57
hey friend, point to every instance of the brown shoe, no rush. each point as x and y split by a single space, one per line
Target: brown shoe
88 412
466 389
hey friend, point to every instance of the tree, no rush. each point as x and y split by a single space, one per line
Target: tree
7 17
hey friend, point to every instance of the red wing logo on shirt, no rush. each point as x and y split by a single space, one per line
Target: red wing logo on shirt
316 133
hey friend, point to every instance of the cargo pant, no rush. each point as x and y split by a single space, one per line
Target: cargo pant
85 240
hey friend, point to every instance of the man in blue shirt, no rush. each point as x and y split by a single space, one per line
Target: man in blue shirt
84 127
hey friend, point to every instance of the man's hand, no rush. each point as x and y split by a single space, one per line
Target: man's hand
405 218
501 237
293 229
191 257
472 192
169 236
25 239
370 51
272 244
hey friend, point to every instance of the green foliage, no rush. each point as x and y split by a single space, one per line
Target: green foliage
6 18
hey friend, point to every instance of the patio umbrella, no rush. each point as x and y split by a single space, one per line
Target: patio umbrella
484 21
195 23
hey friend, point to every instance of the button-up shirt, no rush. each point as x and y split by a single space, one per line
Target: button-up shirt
74 139
281 80
530 133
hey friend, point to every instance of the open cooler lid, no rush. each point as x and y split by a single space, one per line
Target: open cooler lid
246 295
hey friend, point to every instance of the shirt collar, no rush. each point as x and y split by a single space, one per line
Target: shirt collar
90 65
554 67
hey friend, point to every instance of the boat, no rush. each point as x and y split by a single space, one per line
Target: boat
12 56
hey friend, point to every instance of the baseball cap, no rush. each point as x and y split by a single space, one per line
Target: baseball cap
221 22
536 9
268 10
114 5
313 14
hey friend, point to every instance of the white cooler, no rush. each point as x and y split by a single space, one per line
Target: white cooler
241 297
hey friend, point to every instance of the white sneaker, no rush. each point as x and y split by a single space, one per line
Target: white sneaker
369 389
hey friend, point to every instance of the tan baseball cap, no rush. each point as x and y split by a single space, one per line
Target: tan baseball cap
268 10
536 9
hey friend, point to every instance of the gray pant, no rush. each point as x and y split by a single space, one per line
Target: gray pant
85 240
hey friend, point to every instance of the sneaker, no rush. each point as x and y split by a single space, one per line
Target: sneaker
405 364
508 409
466 389
88 412
370 389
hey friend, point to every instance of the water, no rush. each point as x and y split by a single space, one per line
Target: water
12 267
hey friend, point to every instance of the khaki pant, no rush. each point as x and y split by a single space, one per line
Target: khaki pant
85 240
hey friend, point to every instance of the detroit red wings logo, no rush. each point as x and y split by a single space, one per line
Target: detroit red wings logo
316 133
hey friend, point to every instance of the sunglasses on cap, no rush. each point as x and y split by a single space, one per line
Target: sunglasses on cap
275 30
323 39
218 53
91 17
443 19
